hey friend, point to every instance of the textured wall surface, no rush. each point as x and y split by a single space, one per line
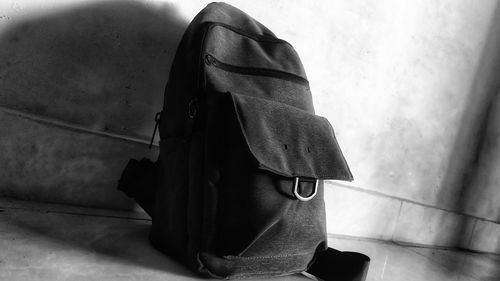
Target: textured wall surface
407 87
101 65
484 185
399 83
47 163
80 83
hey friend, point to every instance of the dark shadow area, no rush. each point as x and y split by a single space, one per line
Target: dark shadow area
118 243
103 66
471 143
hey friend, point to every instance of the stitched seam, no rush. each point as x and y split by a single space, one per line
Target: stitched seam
265 257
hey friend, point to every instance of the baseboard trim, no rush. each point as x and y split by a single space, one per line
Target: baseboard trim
381 194
70 126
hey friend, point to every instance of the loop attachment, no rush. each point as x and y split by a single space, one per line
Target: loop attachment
296 188
157 122
193 108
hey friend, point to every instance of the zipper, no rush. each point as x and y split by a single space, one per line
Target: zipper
211 60
157 122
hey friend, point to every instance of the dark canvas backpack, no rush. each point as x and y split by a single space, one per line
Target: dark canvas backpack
237 191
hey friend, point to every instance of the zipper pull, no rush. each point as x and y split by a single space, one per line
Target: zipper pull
209 59
157 122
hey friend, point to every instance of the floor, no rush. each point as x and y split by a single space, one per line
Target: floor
56 242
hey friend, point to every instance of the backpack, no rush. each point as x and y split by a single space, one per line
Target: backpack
237 190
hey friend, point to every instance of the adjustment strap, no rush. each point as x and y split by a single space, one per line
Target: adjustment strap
157 122
334 265
138 180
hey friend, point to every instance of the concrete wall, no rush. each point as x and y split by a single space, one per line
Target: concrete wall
80 82
406 85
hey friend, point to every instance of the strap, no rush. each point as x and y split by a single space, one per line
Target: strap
157 122
138 181
334 265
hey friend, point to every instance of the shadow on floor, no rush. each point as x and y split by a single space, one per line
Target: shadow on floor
117 243
92 247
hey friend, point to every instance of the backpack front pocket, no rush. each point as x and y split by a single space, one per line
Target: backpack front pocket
271 160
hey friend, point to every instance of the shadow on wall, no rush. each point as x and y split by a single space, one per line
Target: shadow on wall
65 77
464 167
101 67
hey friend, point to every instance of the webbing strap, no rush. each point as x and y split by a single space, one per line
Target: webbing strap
334 265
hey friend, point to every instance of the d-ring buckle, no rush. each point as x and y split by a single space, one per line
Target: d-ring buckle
296 187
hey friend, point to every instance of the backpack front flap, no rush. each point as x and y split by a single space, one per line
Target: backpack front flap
289 141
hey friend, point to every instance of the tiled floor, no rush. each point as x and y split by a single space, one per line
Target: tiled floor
54 242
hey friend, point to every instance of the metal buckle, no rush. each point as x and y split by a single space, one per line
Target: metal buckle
296 189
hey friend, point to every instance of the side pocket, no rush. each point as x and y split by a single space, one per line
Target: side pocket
258 213
260 218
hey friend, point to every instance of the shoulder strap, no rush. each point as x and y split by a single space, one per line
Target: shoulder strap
334 265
